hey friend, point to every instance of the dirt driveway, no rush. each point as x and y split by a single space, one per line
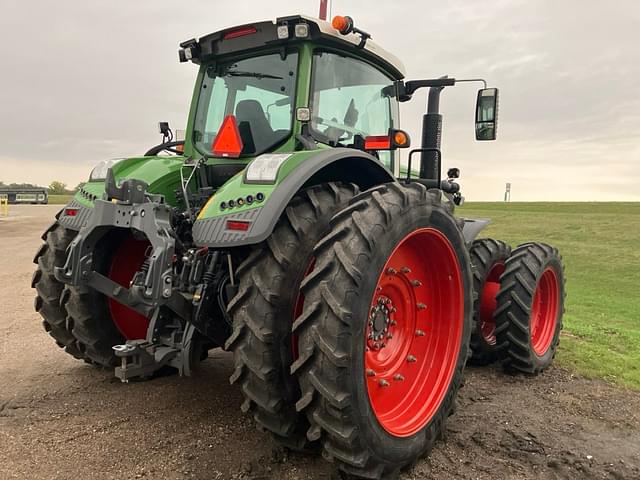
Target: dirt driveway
60 418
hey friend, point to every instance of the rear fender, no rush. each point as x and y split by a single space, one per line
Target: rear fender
299 171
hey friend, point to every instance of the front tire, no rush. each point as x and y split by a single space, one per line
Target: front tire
530 308
266 305
488 259
385 331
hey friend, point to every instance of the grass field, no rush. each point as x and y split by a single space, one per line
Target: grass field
60 199
600 244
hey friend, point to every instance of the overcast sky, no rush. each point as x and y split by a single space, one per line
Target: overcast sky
83 81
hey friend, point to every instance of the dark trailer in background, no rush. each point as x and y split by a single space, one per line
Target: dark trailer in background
24 195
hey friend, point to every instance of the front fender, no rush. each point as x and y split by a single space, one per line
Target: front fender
300 170
472 227
162 174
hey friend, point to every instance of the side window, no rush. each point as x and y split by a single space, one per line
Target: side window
350 98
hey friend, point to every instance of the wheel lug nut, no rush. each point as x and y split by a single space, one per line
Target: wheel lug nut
411 359
398 377
370 373
419 333
416 283
388 301
391 271
405 270
393 323
383 383
421 306
390 336
393 310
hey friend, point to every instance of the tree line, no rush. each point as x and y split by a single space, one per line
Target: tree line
55 188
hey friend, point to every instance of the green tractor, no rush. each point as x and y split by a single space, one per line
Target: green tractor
283 229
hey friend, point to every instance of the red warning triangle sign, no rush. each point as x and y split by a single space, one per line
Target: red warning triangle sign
228 142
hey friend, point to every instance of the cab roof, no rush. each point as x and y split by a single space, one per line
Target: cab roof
282 32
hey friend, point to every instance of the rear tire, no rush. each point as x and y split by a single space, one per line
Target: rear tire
368 421
488 259
530 308
264 310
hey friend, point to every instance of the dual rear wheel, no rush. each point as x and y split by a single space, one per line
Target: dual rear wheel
267 303
519 303
356 346
375 322
385 330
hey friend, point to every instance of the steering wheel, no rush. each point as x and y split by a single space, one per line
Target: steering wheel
165 147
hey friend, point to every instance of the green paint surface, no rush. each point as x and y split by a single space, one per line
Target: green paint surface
162 174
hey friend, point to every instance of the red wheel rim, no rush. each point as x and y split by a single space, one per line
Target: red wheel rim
544 312
488 303
413 333
125 263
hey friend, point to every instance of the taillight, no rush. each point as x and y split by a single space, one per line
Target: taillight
395 139
238 225
377 142
70 212
239 32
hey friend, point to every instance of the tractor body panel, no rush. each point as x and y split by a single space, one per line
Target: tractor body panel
162 174
298 170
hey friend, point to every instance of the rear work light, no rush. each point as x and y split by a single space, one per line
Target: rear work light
238 225
239 32
70 212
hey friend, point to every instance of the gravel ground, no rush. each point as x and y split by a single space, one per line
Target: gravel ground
60 418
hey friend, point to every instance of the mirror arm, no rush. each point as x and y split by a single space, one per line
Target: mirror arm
407 89
484 82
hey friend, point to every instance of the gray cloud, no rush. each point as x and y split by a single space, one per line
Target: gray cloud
84 81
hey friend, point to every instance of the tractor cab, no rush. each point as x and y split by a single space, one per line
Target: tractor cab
296 84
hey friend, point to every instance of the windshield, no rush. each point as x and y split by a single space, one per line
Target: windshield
259 91
350 97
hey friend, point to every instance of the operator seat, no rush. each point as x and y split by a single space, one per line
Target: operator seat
255 130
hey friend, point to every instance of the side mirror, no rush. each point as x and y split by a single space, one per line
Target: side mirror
165 131
487 114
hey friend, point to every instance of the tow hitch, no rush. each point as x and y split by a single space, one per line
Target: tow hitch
142 358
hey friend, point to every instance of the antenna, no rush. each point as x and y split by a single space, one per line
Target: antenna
323 9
